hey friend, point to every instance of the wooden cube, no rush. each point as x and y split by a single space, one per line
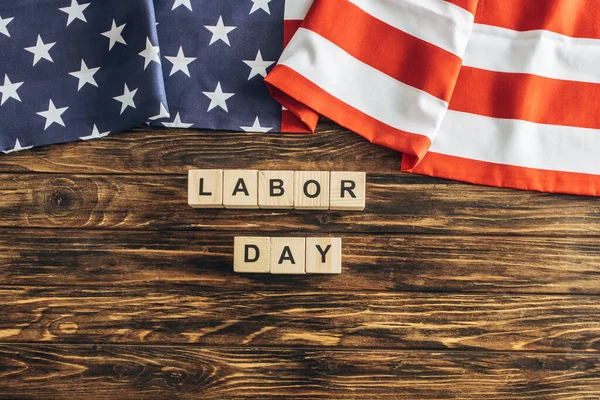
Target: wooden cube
240 188
205 188
323 255
276 189
311 190
252 254
347 191
288 255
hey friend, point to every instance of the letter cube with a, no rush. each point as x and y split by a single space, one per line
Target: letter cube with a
288 255
276 189
323 255
205 188
311 190
252 254
347 191
240 188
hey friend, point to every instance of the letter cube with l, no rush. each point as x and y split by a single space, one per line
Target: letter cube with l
240 188
323 255
311 190
288 255
276 189
205 188
347 191
252 254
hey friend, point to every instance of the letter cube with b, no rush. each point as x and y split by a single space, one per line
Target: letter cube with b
252 254
276 189
240 188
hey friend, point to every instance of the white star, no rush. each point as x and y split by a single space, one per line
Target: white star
150 53
178 3
85 75
9 90
255 127
41 50
53 115
180 62
219 32
218 98
3 23
114 34
162 114
17 148
75 11
126 98
258 65
176 123
95 134
261 5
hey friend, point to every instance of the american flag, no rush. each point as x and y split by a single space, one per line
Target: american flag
76 70
495 92
216 55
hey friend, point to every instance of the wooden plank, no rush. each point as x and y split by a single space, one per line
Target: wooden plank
395 204
83 258
160 151
184 315
133 372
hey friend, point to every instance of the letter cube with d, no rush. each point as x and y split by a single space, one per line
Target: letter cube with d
252 254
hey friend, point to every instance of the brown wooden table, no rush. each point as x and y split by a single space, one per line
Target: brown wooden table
112 287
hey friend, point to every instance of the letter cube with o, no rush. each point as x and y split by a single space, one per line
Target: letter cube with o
288 255
311 190
240 188
347 191
252 254
276 189
205 188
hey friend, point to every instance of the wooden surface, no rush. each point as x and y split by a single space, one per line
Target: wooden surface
113 288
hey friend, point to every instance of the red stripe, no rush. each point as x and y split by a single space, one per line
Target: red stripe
292 124
290 27
469 5
491 174
412 61
575 18
306 100
527 97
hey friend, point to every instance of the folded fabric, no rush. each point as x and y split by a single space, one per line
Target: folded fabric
216 54
495 92
74 70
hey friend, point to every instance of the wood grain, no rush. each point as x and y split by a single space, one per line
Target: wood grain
163 151
82 258
184 315
395 204
133 372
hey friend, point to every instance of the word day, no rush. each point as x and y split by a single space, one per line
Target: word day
252 189
287 255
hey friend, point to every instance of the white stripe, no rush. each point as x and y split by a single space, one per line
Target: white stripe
438 22
538 52
362 86
296 9
519 143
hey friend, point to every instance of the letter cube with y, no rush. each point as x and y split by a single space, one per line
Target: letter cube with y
252 254
323 255
205 188
240 188
276 189
288 255
311 190
347 191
